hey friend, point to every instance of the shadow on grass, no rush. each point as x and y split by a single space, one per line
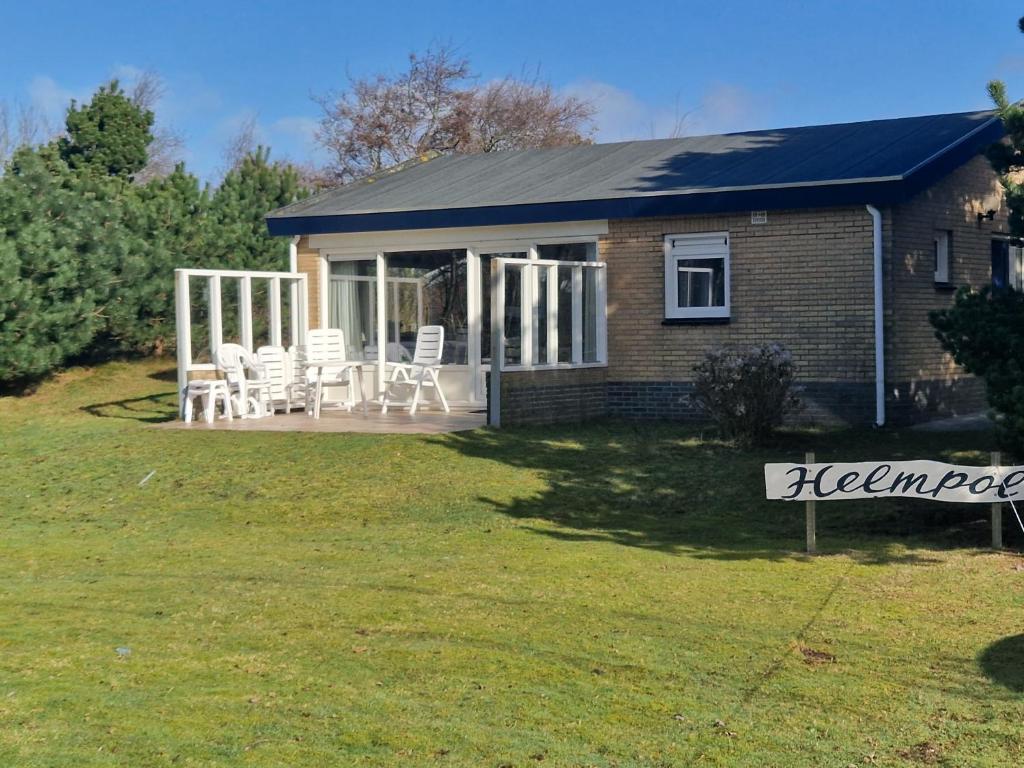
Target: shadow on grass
1003 662
151 409
169 375
664 487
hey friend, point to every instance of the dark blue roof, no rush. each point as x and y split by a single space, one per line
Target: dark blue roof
878 161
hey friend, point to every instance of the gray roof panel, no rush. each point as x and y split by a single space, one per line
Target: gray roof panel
845 153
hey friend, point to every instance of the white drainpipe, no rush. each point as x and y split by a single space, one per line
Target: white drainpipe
293 254
876 220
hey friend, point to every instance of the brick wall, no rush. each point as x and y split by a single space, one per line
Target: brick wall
921 379
309 262
803 279
544 397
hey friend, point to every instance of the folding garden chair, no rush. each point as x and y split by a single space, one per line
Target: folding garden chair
423 371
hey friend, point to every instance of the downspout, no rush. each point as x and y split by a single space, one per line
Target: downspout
876 221
293 255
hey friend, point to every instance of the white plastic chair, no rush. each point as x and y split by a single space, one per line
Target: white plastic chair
423 371
209 393
286 389
250 394
323 344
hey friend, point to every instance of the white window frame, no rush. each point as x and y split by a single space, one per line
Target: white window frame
1015 268
683 247
943 253
529 315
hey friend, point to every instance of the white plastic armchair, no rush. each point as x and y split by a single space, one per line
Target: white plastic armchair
247 381
323 344
423 371
286 388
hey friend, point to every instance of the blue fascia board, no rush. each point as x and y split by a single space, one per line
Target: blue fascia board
879 193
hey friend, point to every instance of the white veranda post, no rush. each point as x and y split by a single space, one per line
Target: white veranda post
184 302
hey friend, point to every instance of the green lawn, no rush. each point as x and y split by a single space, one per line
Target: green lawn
607 595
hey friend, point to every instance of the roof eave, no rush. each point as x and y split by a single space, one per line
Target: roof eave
882 192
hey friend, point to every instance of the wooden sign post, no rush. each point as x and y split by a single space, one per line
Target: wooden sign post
994 485
997 511
812 522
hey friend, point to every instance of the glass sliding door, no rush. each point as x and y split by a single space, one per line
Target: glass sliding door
352 305
428 288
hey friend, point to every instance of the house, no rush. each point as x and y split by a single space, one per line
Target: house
586 281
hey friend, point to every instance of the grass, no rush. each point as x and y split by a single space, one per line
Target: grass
607 595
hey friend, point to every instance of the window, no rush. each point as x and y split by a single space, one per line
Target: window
352 305
697 276
555 312
943 250
1007 266
1016 268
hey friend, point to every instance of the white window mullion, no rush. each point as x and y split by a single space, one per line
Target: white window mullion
602 314
577 315
526 312
498 315
216 321
303 326
275 311
419 304
396 320
474 296
294 318
245 311
552 318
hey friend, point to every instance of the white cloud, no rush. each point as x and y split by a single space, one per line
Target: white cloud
622 116
296 126
294 136
190 96
726 107
229 127
52 99
127 73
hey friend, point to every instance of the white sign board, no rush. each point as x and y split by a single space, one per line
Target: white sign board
931 480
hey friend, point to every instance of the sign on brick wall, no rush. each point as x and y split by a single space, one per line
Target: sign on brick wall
930 480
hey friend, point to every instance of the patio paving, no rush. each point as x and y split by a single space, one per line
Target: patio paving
393 423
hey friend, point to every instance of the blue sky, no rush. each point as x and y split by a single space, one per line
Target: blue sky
726 65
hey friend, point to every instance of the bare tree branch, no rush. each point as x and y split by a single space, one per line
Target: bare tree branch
167 147
241 144
435 107
21 125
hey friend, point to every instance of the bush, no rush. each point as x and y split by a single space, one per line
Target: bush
984 332
747 393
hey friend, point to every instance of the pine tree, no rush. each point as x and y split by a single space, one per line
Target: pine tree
983 330
60 235
109 135
166 221
237 229
1007 158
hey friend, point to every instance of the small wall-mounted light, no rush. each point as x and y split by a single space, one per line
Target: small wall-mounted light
988 215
